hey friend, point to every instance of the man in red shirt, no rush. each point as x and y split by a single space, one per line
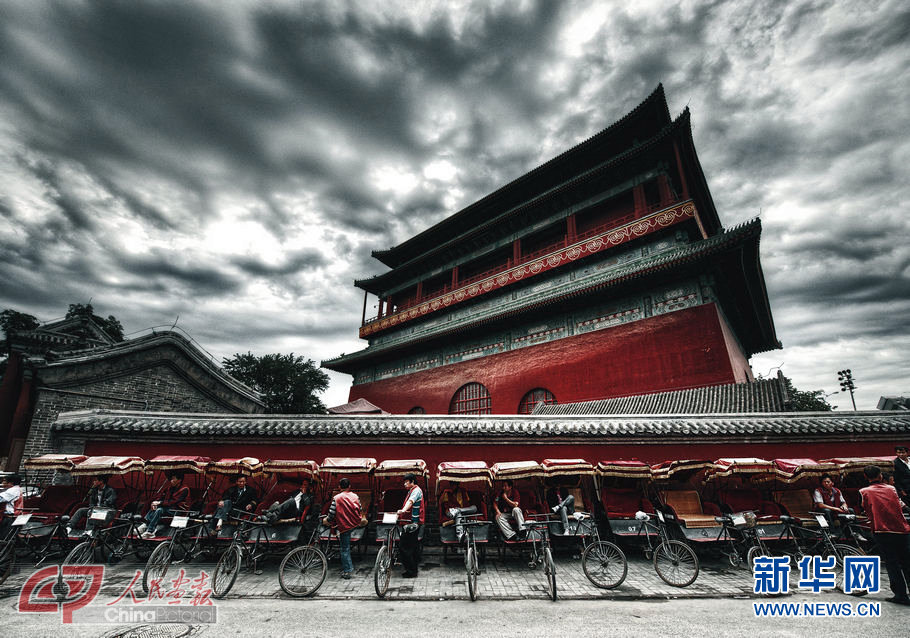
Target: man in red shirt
892 533
507 506
345 513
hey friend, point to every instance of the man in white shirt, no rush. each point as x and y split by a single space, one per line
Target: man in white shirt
294 506
10 500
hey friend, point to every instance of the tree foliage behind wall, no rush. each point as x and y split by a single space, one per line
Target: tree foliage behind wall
288 384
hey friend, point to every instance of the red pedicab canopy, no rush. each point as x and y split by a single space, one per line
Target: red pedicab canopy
679 469
632 469
247 466
792 470
347 465
463 471
62 462
757 469
851 464
567 467
110 465
177 463
516 470
400 467
292 468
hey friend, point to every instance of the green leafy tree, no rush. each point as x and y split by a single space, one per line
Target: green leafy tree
288 384
805 400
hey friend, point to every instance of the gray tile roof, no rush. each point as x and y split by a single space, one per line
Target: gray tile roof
121 424
766 395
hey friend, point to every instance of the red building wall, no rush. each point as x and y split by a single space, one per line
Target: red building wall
683 349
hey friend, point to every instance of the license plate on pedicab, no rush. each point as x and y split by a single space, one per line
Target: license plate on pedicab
21 520
739 519
660 515
99 515
179 521
822 521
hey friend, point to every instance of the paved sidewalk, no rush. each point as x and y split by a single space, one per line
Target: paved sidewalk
502 579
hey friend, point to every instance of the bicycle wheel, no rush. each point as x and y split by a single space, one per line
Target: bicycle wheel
754 552
840 550
470 564
7 559
226 571
157 565
81 554
382 571
302 571
550 572
676 563
604 564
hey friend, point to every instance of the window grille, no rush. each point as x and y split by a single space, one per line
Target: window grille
532 398
471 398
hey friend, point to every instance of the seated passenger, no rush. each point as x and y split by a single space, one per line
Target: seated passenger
176 497
829 499
506 506
455 503
100 494
561 502
10 502
240 497
294 506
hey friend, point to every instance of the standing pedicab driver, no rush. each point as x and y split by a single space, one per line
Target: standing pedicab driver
892 533
410 533
345 513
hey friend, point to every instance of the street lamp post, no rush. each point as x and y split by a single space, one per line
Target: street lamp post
846 384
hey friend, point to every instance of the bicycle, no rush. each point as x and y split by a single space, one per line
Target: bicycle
744 543
798 541
189 539
543 556
674 561
37 539
471 557
603 562
112 544
386 557
303 569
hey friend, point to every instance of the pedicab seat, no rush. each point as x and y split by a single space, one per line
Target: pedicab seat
744 500
688 509
796 503
623 503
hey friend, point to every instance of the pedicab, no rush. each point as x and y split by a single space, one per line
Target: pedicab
188 535
692 518
624 487
532 527
468 491
388 477
359 471
853 528
114 534
748 519
603 563
255 538
303 569
222 473
38 531
796 479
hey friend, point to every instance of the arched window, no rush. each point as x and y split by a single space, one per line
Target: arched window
471 398
532 398
417 410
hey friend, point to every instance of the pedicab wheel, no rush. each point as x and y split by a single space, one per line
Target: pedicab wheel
226 572
302 572
550 571
676 563
752 554
604 564
157 565
470 561
81 554
839 552
382 571
7 560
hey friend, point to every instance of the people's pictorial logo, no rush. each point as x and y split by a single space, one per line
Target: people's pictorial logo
66 589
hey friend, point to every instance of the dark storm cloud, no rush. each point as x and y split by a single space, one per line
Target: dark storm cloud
148 145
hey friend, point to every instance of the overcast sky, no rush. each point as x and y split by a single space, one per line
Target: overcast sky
234 163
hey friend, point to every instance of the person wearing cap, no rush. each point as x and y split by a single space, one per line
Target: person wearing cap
100 495
410 533
176 497
902 471
892 533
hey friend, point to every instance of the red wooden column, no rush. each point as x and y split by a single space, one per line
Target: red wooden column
571 232
9 396
516 251
663 187
454 277
21 424
638 198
